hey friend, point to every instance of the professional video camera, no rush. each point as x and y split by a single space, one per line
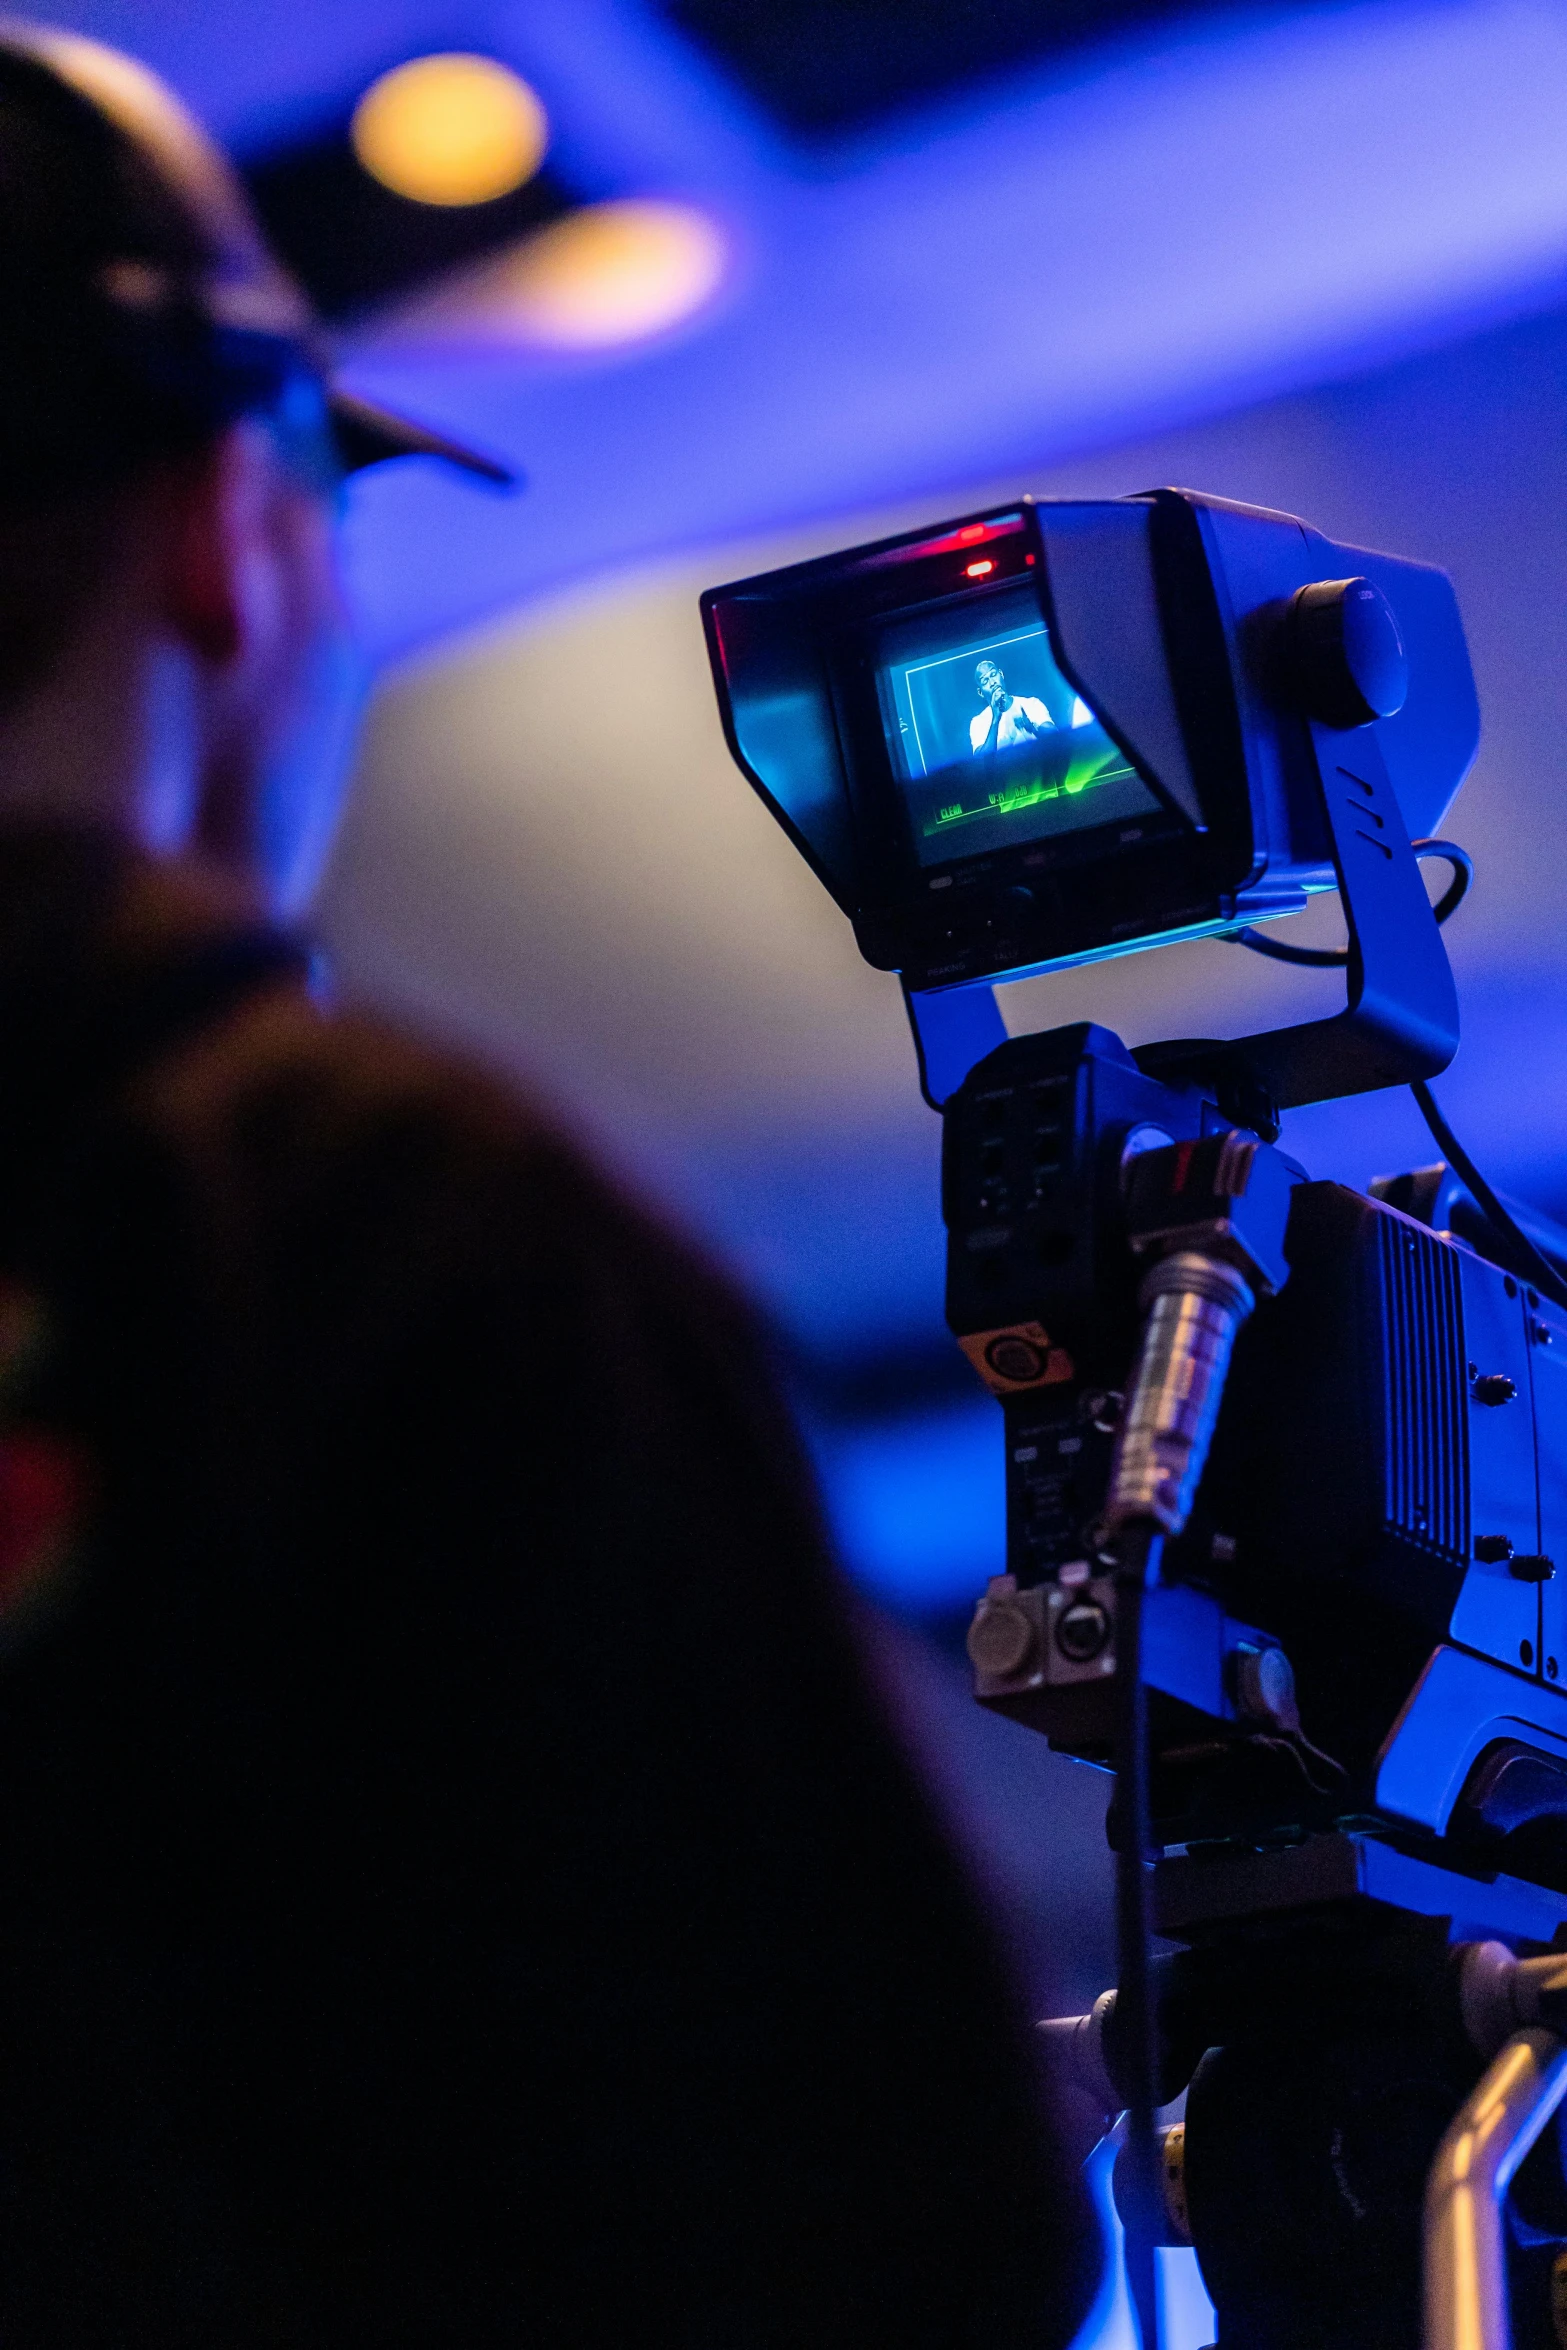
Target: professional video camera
1286 1465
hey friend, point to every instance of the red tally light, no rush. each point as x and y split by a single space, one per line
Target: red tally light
977 570
947 542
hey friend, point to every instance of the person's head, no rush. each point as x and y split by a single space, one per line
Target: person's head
175 659
177 664
988 681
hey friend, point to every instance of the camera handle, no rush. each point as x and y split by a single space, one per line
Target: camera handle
1465 2246
1400 1022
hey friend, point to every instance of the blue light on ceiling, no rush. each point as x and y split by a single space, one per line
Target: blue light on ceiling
1091 249
1085 255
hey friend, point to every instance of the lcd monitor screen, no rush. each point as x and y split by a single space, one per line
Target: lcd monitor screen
989 742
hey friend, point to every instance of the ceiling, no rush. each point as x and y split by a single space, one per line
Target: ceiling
1094 243
821 67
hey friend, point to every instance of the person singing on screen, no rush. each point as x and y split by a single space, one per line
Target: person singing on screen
1006 718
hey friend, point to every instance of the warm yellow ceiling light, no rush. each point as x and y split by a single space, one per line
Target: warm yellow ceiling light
609 274
450 130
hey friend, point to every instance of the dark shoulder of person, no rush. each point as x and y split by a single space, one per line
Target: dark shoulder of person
466 1889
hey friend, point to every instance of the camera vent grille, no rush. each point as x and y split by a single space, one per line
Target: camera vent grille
1426 1448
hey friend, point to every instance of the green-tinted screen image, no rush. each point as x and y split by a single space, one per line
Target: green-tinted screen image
989 741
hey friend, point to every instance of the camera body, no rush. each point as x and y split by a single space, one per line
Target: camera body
1363 1610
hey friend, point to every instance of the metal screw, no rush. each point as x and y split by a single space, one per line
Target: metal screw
1531 1567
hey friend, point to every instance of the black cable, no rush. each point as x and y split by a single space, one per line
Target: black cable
1334 958
1542 1273
1140 1547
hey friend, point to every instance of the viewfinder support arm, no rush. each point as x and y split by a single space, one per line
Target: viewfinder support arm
1465 2240
1401 1019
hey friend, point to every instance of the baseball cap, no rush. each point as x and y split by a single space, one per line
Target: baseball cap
140 305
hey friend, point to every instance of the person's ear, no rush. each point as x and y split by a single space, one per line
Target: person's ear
216 587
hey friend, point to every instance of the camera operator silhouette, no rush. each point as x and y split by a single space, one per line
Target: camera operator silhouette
1006 718
394 1959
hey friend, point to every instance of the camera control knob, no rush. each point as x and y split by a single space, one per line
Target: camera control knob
1001 1639
1346 655
1493 1387
1492 1550
1262 1685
